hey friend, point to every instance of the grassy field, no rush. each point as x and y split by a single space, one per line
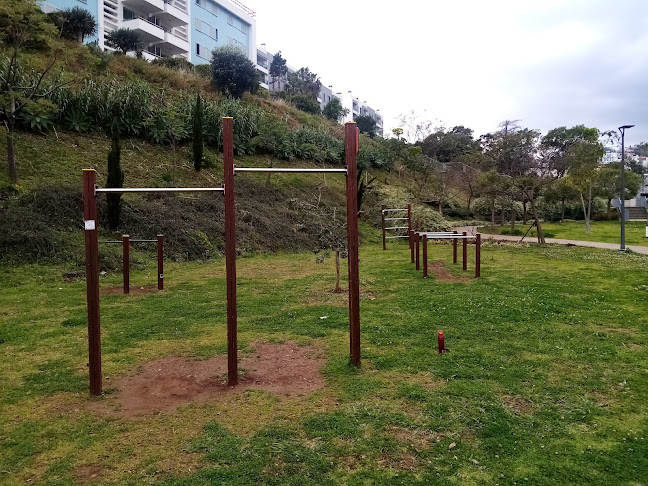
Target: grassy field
604 231
546 380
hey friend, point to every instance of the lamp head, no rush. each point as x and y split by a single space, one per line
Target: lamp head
625 126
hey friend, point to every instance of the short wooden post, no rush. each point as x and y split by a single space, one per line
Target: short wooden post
351 150
382 218
465 251
425 263
230 250
477 255
417 238
160 258
126 262
411 240
454 249
92 279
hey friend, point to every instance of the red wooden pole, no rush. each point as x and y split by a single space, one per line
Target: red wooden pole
411 240
417 238
160 255
465 251
478 255
92 279
382 217
425 265
409 222
230 250
351 149
126 262
454 249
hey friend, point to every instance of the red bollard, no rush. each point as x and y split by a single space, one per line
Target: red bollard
126 262
442 348
465 251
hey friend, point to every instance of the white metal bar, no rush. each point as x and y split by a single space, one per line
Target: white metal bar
282 169
157 189
450 237
400 236
394 219
397 227
387 210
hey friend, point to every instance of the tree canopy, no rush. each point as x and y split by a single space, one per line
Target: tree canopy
233 74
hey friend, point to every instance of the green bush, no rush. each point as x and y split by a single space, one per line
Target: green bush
427 219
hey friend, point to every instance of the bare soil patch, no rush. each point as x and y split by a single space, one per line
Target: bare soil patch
88 473
133 290
165 384
517 405
442 274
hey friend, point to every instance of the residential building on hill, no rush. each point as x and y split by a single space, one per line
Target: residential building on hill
173 28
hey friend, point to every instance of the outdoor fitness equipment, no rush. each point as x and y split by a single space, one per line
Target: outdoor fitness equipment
90 192
417 236
384 212
126 241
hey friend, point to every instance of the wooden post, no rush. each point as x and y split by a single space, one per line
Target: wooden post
454 249
465 251
417 238
409 222
160 255
351 149
477 255
411 240
92 279
126 262
230 250
425 264
382 218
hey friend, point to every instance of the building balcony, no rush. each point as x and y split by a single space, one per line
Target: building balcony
149 31
144 6
173 45
174 14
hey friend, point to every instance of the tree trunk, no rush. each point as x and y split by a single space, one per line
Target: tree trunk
493 212
502 217
80 38
11 156
337 270
441 207
609 204
562 211
512 217
541 238
524 213
586 215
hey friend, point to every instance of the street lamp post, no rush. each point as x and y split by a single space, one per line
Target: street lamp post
622 194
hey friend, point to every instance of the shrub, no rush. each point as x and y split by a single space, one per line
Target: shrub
233 74
427 219
175 63
305 103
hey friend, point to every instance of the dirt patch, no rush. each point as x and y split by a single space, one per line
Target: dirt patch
418 439
133 290
519 406
88 473
70 277
442 274
165 384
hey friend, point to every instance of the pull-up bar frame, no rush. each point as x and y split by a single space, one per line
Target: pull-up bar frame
384 210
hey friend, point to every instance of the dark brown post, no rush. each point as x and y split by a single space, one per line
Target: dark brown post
417 238
425 265
160 252
382 217
92 279
126 262
351 149
477 255
230 250
465 251
454 249
409 222
411 240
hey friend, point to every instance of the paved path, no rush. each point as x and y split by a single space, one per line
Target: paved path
471 230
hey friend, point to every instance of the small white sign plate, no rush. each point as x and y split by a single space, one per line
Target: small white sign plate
89 224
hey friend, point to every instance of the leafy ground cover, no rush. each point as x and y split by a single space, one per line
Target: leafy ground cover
546 380
603 231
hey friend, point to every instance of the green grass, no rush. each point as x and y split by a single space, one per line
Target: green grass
546 380
603 231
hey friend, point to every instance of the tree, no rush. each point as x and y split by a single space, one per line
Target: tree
641 149
115 176
608 184
305 103
303 82
468 167
446 146
23 26
198 122
561 191
366 124
397 132
79 23
278 68
233 74
334 110
416 126
125 40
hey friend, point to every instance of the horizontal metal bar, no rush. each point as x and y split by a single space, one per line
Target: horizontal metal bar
395 219
132 241
282 169
397 227
157 189
450 237
387 210
401 236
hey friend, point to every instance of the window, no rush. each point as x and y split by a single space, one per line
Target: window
235 43
207 5
205 28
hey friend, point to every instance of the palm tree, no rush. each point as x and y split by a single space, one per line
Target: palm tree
125 40
80 23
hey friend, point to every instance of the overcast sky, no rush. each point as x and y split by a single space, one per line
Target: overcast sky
476 63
